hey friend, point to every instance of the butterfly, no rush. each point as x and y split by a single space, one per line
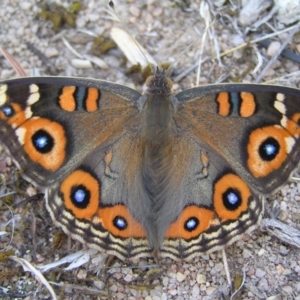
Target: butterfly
156 174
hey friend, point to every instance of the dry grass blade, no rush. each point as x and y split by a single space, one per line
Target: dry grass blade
27 266
13 62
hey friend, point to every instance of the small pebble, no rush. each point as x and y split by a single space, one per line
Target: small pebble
51 52
201 278
25 5
180 277
81 63
273 48
82 274
263 285
260 273
172 292
195 291
210 290
247 253
288 290
135 11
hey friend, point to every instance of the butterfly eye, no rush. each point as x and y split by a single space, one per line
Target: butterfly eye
42 141
191 224
120 223
269 149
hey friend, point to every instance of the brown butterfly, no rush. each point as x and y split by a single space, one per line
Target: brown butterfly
155 174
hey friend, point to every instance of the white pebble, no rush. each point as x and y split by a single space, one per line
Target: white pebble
180 277
81 63
25 5
201 278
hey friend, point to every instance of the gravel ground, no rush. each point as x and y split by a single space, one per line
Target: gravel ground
164 29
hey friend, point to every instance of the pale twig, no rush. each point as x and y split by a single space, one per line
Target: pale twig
257 40
259 60
274 58
67 44
226 267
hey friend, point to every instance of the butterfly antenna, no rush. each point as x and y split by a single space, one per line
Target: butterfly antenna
112 6
216 19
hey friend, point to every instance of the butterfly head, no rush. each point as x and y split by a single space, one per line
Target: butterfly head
159 83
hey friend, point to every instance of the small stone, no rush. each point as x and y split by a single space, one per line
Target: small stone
81 63
279 269
269 73
251 272
120 296
113 288
25 5
260 273
180 277
201 279
263 285
135 11
157 11
31 191
247 253
284 250
51 52
219 267
210 290
172 292
6 74
82 274
165 281
273 48
195 291
164 296
128 277
93 17
288 289
100 285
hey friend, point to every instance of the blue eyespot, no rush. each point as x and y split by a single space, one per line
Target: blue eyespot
80 196
42 141
8 111
232 199
191 224
269 149
120 223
